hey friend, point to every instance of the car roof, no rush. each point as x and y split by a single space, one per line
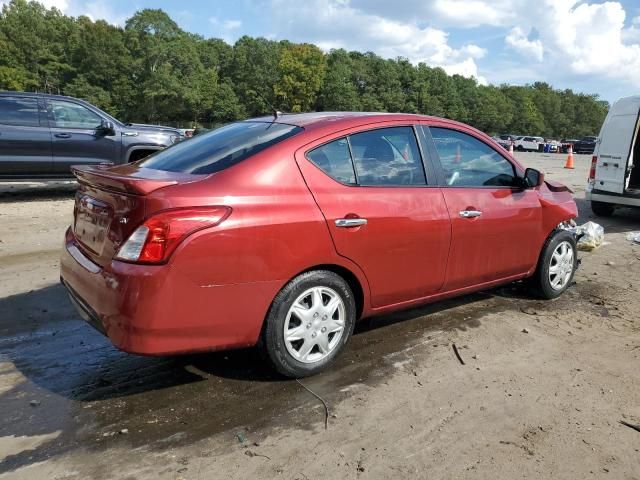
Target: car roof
344 119
35 94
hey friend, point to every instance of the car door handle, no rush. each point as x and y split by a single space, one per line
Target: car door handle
470 213
62 135
350 222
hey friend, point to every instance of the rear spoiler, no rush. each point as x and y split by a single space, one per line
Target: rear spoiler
129 178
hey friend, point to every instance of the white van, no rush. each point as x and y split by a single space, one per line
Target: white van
614 178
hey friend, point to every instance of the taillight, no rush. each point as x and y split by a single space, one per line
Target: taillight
155 240
592 171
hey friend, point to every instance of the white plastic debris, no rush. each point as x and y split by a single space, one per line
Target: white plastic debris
633 237
591 236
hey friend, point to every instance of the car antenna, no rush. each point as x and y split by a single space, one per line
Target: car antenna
274 111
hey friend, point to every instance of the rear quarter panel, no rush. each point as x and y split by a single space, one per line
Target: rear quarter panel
274 232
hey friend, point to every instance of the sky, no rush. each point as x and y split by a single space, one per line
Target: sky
588 46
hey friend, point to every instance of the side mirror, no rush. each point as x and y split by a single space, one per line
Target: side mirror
533 178
106 127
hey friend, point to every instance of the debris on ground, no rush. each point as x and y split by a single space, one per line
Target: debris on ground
124 431
250 453
455 350
525 330
590 236
529 310
326 407
633 237
241 437
34 403
630 425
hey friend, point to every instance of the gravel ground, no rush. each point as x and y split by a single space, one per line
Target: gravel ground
542 393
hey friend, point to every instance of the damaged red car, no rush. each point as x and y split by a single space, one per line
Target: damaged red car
283 231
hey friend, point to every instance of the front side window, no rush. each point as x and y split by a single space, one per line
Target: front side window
468 162
19 111
221 148
72 115
387 156
334 159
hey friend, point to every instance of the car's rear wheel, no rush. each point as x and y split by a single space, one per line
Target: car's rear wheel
309 323
602 209
556 266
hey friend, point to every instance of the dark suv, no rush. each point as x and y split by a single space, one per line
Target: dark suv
585 145
43 135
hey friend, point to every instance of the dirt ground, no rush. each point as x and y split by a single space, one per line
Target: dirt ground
542 393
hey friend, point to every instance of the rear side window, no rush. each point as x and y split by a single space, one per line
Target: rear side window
468 162
387 156
220 148
334 160
19 111
382 157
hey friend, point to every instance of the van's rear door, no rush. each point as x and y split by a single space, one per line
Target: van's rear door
614 150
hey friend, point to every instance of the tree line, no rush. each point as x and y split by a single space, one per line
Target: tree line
152 71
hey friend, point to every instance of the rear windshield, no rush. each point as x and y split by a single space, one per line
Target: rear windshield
221 148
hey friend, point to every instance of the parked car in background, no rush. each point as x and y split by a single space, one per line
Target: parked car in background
614 178
41 136
186 132
565 143
529 144
551 146
505 140
283 231
585 145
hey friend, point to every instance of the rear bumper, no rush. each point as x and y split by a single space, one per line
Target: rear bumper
628 200
157 310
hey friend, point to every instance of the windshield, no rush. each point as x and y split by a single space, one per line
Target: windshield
221 148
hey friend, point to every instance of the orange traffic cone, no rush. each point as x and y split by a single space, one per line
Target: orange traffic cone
569 163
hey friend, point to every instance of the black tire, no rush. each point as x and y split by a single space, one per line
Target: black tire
273 342
520 148
541 282
602 209
139 155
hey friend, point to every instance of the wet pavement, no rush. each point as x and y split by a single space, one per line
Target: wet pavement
64 387
73 381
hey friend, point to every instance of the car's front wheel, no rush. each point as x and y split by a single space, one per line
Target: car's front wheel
556 266
309 323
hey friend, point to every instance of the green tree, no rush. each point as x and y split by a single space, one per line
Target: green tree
153 71
302 68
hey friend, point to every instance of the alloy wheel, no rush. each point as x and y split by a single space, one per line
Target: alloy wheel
314 324
561 266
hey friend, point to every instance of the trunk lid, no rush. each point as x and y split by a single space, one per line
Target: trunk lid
110 204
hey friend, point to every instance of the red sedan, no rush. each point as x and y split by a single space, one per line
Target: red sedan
284 231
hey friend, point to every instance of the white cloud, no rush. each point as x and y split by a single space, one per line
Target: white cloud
520 42
577 39
337 24
225 25
590 40
98 10
469 13
61 5
474 51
